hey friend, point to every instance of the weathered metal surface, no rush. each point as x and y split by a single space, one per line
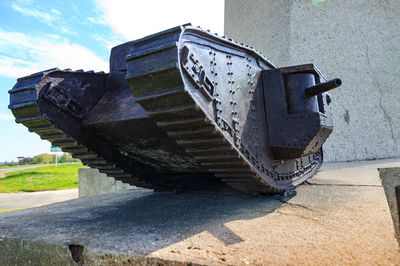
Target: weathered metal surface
185 108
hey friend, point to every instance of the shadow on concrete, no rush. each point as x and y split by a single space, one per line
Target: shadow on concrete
139 220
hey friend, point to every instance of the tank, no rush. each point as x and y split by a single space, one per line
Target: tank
185 109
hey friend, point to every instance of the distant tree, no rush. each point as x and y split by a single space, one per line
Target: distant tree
12 163
67 158
44 158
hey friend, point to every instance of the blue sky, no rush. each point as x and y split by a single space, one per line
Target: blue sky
78 34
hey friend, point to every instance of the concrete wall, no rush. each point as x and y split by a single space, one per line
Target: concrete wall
92 182
358 41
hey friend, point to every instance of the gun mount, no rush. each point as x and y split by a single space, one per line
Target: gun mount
184 108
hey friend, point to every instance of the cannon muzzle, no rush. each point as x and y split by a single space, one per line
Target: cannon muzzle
322 87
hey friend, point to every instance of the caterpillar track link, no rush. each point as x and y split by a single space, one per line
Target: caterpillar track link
185 108
25 107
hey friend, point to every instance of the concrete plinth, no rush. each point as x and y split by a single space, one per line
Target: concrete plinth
391 179
92 182
341 217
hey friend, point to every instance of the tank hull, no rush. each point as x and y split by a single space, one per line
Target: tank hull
179 109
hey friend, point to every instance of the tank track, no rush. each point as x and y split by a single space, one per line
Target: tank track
193 131
29 114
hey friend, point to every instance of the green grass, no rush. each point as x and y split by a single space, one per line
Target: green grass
64 176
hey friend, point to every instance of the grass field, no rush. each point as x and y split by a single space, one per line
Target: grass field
64 176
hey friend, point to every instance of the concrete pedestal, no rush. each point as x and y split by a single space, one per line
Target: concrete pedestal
92 182
340 217
391 179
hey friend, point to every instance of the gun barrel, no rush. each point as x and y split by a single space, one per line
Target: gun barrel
322 87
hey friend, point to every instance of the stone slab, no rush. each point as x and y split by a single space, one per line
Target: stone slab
390 179
22 200
323 224
92 182
354 173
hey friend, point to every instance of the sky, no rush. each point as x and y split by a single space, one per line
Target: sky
41 34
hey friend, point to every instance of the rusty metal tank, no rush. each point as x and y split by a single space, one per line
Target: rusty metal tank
185 109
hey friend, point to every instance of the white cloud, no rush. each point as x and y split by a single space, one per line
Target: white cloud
6 117
55 11
65 29
96 21
52 18
22 54
109 41
135 19
29 11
